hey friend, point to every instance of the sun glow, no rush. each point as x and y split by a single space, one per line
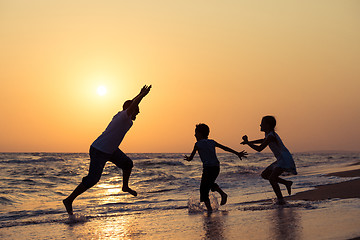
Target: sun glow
101 90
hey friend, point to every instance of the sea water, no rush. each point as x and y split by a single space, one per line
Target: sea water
33 185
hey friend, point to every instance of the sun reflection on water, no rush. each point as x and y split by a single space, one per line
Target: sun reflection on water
117 227
110 194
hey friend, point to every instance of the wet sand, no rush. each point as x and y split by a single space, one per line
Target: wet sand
343 190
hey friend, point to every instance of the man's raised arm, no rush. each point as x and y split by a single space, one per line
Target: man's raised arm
136 100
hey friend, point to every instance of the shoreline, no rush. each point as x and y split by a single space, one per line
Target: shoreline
343 190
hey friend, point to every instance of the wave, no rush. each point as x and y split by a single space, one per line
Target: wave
34 222
154 162
143 156
161 190
139 210
32 160
159 177
52 216
66 173
16 215
6 201
241 170
269 206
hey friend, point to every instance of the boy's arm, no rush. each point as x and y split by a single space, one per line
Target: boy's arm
225 148
191 155
136 100
239 154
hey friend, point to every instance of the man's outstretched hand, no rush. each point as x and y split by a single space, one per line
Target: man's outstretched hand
145 90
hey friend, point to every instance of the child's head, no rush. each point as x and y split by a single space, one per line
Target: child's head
202 131
268 124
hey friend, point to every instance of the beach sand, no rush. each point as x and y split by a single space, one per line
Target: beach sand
343 190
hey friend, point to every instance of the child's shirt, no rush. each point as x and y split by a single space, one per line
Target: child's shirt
282 154
206 149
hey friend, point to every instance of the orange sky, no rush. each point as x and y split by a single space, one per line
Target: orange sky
224 63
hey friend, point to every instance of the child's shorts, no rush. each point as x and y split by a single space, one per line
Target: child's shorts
208 178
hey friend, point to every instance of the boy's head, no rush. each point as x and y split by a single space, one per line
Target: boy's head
202 131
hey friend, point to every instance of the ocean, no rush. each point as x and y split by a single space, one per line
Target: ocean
33 186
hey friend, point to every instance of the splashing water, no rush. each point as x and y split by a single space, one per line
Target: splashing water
195 206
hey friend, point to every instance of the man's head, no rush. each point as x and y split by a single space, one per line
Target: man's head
135 112
202 131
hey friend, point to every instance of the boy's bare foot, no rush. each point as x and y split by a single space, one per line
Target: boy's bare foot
129 190
288 187
280 202
223 199
68 206
208 206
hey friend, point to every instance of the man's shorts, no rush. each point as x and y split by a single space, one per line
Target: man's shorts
98 160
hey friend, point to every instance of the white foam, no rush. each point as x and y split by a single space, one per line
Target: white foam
195 206
76 218
272 205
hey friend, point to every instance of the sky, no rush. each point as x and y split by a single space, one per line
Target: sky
224 63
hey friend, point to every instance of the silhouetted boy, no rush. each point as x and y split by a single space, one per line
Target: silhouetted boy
211 165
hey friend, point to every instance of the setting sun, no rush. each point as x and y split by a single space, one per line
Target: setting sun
101 90
225 63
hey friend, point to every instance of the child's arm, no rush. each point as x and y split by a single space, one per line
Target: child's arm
239 154
191 155
259 141
265 142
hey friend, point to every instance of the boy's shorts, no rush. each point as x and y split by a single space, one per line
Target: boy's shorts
208 178
98 160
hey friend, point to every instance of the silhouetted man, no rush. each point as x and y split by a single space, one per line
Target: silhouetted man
106 148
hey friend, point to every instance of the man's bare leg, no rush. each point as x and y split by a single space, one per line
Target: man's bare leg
69 200
126 188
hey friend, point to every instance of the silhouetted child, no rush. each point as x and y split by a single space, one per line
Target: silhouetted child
284 161
211 165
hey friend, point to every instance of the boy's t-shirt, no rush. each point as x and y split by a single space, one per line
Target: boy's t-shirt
206 149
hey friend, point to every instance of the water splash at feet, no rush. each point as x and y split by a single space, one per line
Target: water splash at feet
195 206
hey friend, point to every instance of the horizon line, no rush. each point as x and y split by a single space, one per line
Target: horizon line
312 151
